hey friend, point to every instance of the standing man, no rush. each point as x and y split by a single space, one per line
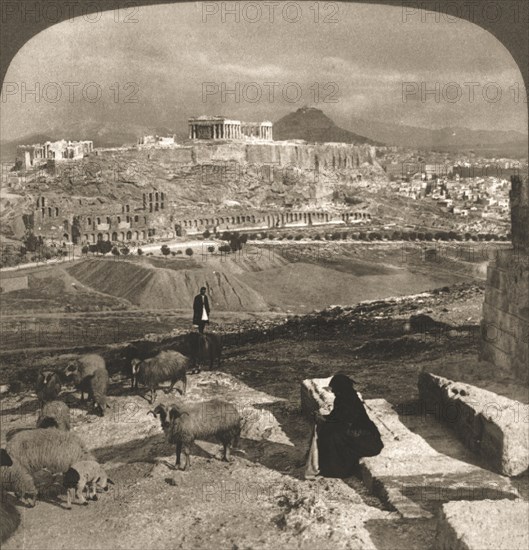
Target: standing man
201 310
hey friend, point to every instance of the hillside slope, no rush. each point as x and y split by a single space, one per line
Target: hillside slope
151 287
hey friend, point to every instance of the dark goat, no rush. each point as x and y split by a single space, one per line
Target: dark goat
166 366
206 348
48 386
89 373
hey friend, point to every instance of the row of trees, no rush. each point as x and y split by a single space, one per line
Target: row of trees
32 249
383 235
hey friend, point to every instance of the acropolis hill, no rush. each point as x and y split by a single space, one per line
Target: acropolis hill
197 179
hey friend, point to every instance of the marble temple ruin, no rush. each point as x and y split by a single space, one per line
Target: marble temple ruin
219 127
29 156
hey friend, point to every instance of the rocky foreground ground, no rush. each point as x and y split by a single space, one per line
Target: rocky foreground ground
260 500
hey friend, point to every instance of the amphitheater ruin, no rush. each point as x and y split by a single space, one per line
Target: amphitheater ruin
154 218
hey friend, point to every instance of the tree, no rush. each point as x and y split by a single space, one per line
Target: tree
189 251
140 252
125 250
104 247
165 250
225 248
85 249
211 249
115 251
206 234
31 242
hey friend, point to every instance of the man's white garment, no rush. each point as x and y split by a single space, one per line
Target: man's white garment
204 312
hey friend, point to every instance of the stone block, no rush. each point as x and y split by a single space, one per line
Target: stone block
410 473
493 426
483 525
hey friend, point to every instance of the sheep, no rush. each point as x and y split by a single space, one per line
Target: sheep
189 422
48 386
9 520
9 515
54 414
81 474
90 375
50 449
205 347
167 365
18 480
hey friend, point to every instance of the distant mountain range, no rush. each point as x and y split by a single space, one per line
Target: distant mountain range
449 139
309 124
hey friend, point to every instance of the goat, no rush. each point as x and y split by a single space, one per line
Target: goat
166 366
89 374
54 414
205 348
48 386
85 473
189 422
50 449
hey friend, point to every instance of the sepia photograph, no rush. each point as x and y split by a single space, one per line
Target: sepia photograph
264 275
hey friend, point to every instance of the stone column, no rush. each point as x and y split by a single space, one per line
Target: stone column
190 131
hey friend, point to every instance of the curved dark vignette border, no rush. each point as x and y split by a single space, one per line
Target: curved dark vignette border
514 35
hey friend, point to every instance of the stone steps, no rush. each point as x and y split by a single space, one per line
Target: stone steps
416 472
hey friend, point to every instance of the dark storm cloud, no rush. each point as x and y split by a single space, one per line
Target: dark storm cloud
369 52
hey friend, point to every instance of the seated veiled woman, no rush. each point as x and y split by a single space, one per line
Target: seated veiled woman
345 435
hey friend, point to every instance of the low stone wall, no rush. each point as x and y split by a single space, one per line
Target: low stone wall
483 525
491 425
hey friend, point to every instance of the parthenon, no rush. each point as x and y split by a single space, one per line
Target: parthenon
219 127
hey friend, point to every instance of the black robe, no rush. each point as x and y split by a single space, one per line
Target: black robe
197 309
346 435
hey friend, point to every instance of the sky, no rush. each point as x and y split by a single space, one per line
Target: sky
169 62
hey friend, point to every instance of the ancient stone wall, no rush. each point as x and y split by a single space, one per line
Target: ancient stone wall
505 324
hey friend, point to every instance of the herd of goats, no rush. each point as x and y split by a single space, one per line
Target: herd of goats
51 449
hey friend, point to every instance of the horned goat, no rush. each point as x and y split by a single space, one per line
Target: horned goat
184 423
